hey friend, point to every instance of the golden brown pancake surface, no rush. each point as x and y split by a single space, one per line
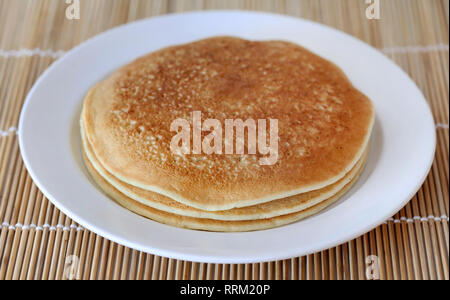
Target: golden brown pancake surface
266 210
324 122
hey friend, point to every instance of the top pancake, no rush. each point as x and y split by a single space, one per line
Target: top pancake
324 123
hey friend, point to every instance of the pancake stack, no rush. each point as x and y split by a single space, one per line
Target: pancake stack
324 127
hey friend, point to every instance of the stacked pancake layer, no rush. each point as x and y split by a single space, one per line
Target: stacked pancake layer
324 129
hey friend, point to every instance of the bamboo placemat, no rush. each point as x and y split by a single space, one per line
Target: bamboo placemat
37 241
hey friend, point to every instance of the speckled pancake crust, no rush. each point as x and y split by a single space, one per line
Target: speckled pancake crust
324 122
260 211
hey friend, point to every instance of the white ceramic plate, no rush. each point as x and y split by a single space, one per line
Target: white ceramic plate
402 147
